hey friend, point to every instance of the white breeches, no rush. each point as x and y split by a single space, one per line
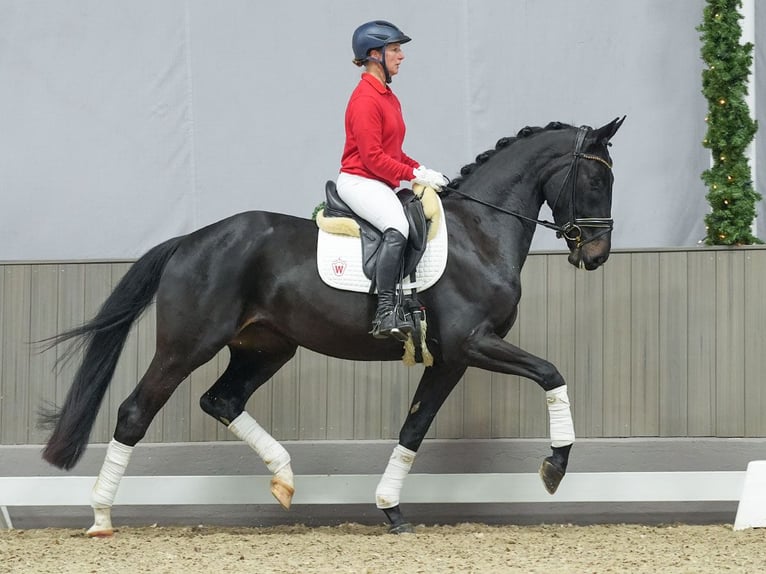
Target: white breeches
374 201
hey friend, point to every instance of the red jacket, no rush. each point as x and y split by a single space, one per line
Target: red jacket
374 135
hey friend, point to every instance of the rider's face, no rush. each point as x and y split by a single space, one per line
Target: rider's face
394 57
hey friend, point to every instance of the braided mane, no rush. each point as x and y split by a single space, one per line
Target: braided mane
502 143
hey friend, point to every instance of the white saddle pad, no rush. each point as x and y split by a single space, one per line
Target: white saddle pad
339 261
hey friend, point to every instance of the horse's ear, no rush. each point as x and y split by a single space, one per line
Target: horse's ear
603 134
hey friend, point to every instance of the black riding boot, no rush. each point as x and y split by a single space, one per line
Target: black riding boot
389 319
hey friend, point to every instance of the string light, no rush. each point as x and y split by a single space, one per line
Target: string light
725 55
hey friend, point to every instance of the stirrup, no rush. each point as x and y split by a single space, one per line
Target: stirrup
391 325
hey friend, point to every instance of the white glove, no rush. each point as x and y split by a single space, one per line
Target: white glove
428 177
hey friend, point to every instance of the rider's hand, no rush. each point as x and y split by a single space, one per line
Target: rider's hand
428 177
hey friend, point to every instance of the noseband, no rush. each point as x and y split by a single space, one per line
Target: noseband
572 229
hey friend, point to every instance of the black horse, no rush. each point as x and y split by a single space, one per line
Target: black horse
250 282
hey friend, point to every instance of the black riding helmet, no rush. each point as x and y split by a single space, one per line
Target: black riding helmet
376 35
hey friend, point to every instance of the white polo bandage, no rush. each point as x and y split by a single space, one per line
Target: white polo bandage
390 485
272 453
562 427
115 463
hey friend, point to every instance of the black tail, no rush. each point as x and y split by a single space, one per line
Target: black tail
103 338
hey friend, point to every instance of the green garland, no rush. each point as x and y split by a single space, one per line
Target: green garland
730 129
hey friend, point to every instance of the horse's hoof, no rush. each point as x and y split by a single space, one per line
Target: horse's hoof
404 528
283 492
551 473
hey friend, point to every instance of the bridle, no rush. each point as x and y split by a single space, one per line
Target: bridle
572 229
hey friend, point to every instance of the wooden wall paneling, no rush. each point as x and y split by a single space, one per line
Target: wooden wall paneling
367 397
644 319
284 406
678 344
477 403
701 349
449 420
312 393
340 399
2 354
617 346
588 396
43 312
673 338
15 325
755 343
730 344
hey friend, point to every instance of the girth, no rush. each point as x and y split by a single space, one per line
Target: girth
371 237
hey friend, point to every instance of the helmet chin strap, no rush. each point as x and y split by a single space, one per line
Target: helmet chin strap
382 63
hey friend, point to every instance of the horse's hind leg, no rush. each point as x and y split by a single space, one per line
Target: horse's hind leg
435 386
225 401
133 418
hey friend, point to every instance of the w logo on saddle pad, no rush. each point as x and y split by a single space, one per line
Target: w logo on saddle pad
338 267
339 254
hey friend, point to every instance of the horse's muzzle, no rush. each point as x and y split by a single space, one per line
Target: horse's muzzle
590 255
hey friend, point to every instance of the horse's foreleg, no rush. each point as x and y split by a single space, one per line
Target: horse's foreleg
225 401
492 353
434 388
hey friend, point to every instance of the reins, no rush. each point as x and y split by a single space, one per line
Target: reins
572 230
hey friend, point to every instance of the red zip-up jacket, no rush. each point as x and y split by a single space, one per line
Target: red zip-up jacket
374 135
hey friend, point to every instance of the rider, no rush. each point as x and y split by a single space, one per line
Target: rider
373 163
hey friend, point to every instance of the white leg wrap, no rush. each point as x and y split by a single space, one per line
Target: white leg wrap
105 489
390 485
272 453
562 427
115 463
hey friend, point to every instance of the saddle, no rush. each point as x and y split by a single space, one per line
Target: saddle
424 214
337 217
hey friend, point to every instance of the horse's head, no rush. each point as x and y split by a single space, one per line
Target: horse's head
581 198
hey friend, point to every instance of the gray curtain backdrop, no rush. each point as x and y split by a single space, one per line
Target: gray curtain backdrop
125 123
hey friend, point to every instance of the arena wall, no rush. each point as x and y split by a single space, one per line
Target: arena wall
654 344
